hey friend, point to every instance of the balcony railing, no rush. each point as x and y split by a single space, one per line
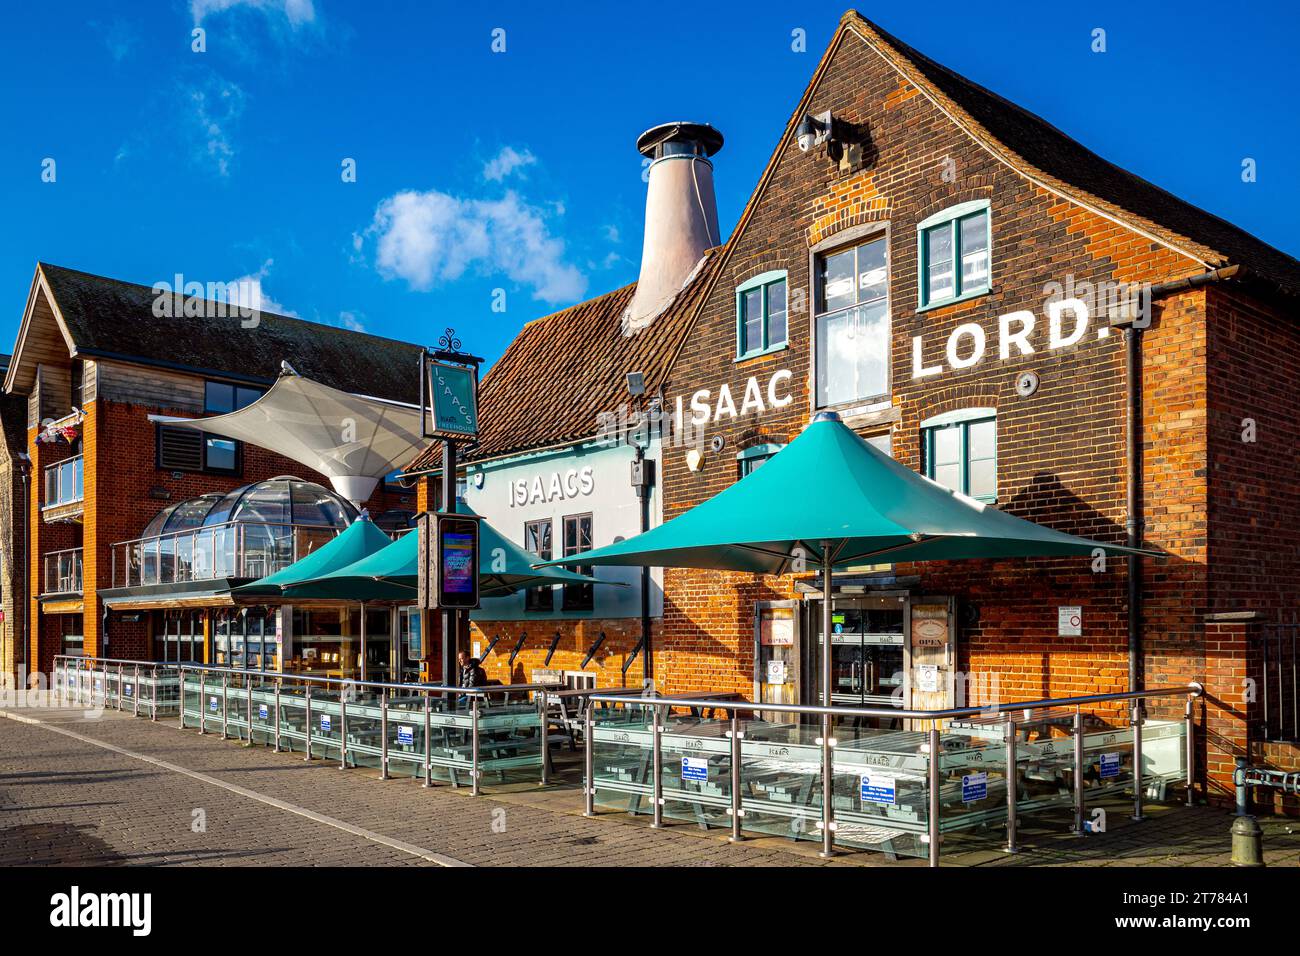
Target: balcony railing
63 482
63 572
238 549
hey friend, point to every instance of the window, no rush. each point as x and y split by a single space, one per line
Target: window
222 397
537 539
183 449
752 457
852 324
960 450
954 254
761 324
577 538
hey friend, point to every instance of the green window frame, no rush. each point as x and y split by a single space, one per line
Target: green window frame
960 451
762 314
965 231
753 456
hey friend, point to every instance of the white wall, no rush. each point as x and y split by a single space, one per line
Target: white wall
577 480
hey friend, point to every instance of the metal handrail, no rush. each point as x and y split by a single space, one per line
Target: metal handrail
1194 688
932 748
75 575
57 469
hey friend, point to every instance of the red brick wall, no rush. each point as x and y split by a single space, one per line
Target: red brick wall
1061 452
120 472
576 638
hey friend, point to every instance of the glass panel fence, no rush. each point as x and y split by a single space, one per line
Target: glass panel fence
622 756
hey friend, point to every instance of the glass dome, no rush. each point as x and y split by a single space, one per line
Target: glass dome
285 501
279 501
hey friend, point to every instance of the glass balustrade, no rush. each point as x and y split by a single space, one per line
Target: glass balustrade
240 549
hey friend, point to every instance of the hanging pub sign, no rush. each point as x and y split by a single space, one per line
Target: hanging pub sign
451 399
448 561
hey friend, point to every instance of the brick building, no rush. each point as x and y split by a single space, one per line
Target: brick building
14 489
130 553
971 290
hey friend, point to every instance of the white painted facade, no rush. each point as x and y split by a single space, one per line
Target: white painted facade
590 478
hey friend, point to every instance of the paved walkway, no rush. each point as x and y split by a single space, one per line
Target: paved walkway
120 791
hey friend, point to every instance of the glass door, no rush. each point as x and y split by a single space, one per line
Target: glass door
867 667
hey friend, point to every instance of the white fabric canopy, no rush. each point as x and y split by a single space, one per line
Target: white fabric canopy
354 440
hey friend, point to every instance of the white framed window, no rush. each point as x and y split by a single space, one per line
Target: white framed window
954 252
851 323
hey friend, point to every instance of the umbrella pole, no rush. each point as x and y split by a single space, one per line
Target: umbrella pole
828 771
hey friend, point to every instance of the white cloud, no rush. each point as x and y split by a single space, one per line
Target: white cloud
247 293
428 238
506 162
217 106
352 320
297 12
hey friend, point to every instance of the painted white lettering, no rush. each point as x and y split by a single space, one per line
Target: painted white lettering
917 370
977 350
753 400
1021 338
1055 310
783 375
700 407
725 404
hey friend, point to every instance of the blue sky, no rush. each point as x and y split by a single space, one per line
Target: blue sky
478 171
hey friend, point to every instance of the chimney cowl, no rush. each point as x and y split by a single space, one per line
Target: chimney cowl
681 217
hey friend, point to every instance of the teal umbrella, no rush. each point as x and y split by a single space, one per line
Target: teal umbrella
392 573
359 540
830 499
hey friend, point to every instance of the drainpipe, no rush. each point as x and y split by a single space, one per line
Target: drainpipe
25 468
1133 323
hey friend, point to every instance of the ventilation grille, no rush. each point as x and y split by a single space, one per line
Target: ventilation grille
179 449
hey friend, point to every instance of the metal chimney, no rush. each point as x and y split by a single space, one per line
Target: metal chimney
681 215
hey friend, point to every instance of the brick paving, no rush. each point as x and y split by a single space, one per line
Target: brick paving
65 800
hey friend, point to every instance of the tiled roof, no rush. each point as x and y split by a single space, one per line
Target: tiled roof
108 318
1081 173
563 370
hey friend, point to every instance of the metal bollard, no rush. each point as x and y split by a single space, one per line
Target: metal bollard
383 734
1012 784
1078 772
936 832
657 764
737 810
1247 837
588 766
1137 762
828 789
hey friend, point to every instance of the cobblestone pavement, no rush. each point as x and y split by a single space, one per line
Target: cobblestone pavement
122 791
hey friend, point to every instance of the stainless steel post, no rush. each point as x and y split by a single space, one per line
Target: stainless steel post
225 695
153 696
1078 771
119 688
343 728
736 802
1137 761
203 690
473 765
1189 731
546 743
828 778
428 743
1012 785
277 715
588 766
383 734
657 765
135 693
249 679
307 701
933 813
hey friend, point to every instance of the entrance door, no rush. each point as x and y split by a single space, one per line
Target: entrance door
867 644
